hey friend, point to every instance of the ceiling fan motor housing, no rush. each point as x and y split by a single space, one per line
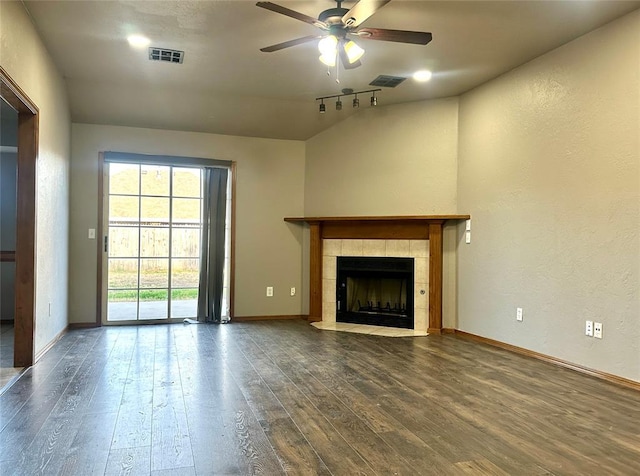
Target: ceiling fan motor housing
333 16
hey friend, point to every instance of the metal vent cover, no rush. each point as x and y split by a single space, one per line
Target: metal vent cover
168 56
386 81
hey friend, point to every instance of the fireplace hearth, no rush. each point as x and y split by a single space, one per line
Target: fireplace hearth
375 290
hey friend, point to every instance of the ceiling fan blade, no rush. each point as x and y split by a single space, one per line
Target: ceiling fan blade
287 44
344 59
361 11
293 14
399 36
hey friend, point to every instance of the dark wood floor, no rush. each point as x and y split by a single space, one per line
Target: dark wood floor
279 397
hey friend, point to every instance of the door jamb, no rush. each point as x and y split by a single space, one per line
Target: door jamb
25 274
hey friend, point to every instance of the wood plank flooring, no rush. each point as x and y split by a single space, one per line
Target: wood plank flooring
281 397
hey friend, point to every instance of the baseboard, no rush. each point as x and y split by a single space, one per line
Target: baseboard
82 325
50 344
266 318
625 382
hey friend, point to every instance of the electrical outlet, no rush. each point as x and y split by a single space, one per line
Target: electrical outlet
269 291
597 330
92 233
518 314
588 329
293 291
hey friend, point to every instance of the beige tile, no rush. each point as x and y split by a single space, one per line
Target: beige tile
419 248
329 313
328 291
351 248
329 267
421 320
358 329
331 247
421 270
398 248
369 330
373 247
421 301
384 331
331 326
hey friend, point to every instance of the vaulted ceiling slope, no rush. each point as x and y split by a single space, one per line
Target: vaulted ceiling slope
226 85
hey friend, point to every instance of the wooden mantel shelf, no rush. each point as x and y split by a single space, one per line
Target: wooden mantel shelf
422 218
411 227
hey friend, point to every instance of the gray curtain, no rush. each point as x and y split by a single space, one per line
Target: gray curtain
212 244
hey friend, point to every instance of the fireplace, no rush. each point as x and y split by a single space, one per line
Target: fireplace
419 237
375 290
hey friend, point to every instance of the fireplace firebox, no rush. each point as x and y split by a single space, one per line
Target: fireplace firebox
376 291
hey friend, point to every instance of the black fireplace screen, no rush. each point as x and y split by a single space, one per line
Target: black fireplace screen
377 291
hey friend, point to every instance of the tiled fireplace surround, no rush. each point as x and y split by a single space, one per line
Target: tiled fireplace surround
391 236
416 249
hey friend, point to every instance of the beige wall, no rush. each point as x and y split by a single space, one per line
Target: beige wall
269 187
549 169
26 60
387 160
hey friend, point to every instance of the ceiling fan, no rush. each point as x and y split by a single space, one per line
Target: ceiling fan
340 23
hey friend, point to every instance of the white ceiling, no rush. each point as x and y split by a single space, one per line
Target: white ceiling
227 86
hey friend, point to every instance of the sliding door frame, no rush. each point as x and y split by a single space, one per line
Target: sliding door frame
101 232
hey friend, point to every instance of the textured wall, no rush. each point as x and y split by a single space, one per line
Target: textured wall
393 160
26 60
549 169
269 187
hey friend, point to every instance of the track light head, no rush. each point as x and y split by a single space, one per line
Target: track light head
323 108
356 102
338 105
374 100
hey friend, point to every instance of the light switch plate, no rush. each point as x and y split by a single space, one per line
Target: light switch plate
92 233
467 237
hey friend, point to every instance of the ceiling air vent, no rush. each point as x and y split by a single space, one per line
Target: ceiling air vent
163 54
385 81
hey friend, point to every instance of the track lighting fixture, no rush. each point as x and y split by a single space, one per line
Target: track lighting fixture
348 92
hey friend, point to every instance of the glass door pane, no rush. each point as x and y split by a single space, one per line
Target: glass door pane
153 259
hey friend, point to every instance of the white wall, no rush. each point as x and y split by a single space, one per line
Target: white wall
269 187
26 60
549 169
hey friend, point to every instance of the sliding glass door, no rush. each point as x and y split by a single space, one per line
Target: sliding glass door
152 241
